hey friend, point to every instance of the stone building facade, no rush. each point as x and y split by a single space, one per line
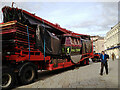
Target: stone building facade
112 41
98 44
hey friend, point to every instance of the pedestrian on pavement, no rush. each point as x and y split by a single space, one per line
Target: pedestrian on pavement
113 56
104 58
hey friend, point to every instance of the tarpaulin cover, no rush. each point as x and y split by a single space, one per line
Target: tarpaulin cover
24 18
43 31
86 46
17 14
52 42
83 47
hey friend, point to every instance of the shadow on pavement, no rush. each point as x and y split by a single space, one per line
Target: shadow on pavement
42 75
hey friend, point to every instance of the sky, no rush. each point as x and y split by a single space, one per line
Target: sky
91 18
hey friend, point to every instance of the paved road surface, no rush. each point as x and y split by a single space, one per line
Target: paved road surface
81 77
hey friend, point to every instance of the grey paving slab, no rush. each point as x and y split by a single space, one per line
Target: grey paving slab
82 77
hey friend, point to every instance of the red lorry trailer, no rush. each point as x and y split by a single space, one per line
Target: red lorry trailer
30 43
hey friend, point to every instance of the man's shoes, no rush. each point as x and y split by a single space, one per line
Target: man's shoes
106 73
101 74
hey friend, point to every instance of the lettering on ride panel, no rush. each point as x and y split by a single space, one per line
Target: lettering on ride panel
77 50
72 50
68 50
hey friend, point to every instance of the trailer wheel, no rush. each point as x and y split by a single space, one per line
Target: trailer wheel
8 78
87 61
83 63
28 74
93 59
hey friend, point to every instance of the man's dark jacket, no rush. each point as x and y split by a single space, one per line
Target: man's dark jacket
105 58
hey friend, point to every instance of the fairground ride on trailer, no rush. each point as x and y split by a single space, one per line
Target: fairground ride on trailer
30 43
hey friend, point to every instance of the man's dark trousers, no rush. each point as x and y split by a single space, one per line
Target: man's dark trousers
102 67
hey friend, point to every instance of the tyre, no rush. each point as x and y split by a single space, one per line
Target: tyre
87 61
8 78
27 74
93 60
83 63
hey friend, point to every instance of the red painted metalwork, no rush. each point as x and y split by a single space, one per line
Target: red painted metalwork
79 34
37 56
23 55
20 45
45 21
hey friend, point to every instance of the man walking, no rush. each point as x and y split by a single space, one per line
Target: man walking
113 56
104 58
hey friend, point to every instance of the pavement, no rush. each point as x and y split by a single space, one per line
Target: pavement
81 77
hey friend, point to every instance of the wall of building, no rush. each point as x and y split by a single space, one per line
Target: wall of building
112 39
115 51
99 45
